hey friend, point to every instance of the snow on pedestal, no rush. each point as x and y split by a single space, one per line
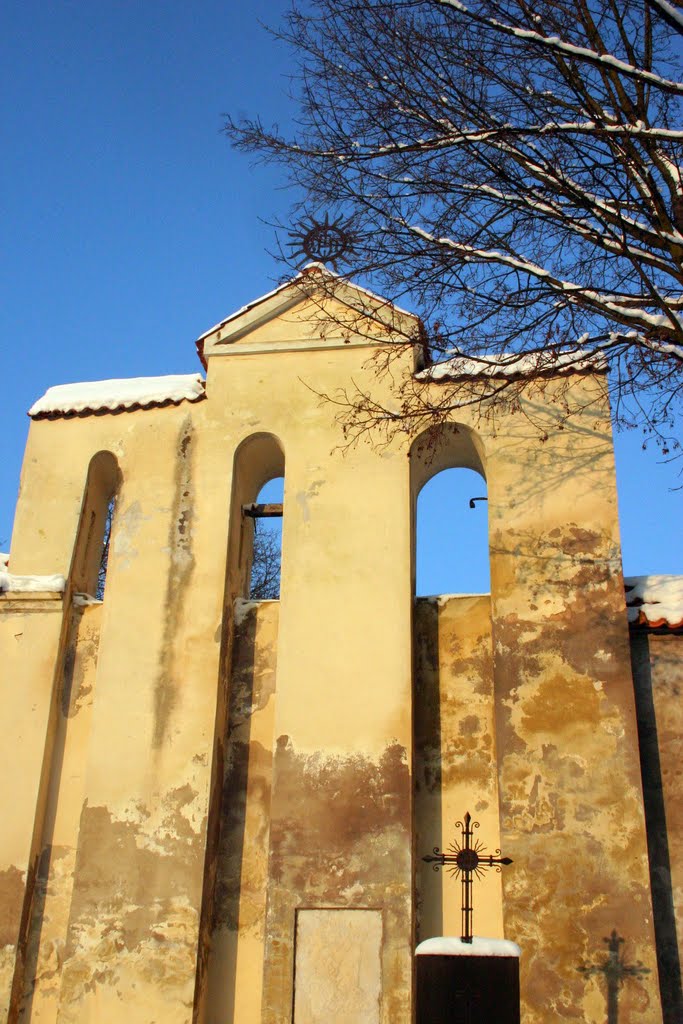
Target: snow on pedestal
445 945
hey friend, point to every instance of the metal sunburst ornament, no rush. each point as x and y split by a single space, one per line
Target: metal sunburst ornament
324 241
466 859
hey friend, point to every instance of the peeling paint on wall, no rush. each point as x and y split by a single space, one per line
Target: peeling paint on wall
571 803
11 900
455 756
115 931
350 847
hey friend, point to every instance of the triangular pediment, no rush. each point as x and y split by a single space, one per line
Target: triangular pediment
315 309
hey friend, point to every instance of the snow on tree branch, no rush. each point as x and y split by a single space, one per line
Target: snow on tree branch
513 169
554 42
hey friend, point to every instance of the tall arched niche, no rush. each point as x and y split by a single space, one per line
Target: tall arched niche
50 889
234 905
454 760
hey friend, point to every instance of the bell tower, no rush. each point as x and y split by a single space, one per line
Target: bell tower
220 805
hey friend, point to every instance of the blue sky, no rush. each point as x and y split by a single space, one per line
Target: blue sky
129 226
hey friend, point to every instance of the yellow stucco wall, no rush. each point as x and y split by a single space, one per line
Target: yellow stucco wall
455 768
172 741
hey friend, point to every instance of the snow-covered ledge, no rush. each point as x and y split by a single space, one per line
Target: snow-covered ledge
12 584
444 945
116 395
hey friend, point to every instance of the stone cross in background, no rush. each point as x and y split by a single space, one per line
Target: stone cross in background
615 970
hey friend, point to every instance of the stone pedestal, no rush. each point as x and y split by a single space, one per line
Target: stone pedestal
467 983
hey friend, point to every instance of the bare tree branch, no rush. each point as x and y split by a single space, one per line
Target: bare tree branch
265 564
514 167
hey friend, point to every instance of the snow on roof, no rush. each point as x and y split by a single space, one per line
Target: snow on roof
444 945
31 584
655 601
308 270
515 364
115 395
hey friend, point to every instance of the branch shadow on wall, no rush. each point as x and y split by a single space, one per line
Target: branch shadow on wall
575 449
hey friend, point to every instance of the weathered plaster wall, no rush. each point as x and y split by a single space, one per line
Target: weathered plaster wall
133 920
570 791
455 768
47 936
133 925
341 796
571 808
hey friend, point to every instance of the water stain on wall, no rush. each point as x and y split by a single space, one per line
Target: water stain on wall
181 568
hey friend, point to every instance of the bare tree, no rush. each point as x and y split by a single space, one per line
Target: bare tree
265 564
106 543
514 166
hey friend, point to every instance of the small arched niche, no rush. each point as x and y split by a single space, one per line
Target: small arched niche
450 513
91 555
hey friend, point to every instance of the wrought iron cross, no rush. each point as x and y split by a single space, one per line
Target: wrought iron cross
615 970
466 859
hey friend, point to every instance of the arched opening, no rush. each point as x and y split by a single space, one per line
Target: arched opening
454 766
266 560
451 535
104 557
91 555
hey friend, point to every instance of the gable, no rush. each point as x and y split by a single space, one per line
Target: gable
316 309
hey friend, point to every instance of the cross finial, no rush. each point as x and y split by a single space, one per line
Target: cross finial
466 859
